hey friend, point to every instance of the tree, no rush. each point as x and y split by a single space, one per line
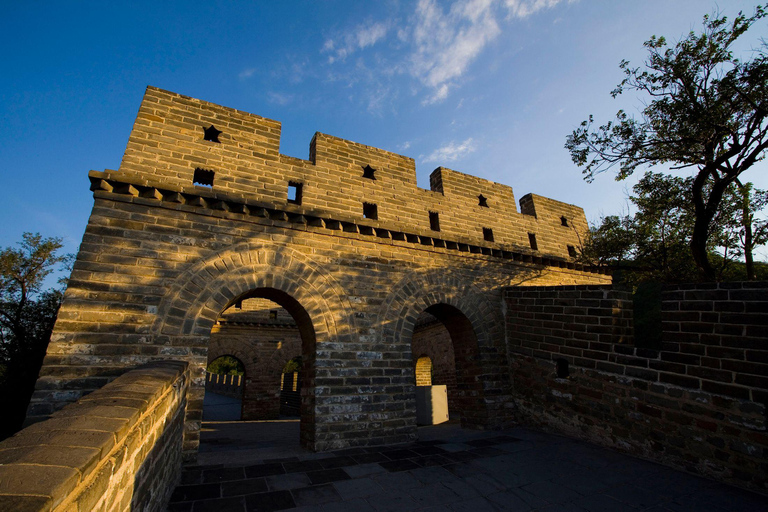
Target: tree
708 111
652 245
752 231
27 315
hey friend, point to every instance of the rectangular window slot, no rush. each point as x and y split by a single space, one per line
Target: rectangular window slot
370 211
414 239
426 240
366 230
572 251
439 243
397 235
294 192
486 251
451 245
564 221
475 249
382 233
532 241
203 177
488 234
463 247
434 221
273 314
333 224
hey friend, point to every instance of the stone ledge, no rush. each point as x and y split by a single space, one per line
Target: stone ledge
56 463
109 185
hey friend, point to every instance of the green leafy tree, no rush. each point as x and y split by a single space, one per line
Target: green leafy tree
751 230
27 315
653 244
707 110
226 365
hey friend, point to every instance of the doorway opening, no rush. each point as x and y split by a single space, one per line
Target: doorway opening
445 343
224 384
272 336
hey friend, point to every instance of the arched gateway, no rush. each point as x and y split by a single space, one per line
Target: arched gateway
346 242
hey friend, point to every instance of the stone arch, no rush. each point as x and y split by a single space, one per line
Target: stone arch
473 321
207 287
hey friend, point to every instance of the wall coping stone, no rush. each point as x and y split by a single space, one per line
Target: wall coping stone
110 185
42 465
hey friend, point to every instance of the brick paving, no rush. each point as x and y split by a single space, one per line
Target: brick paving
454 470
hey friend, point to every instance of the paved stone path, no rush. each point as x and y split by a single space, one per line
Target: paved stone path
455 470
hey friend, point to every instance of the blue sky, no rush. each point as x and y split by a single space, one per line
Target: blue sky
486 87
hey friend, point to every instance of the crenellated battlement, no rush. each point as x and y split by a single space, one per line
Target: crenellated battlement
189 144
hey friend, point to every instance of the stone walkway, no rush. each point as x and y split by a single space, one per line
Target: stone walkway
448 469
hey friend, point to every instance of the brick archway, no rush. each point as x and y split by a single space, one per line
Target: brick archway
191 306
472 322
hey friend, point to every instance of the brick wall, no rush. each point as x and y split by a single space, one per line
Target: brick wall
162 258
698 404
118 448
167 144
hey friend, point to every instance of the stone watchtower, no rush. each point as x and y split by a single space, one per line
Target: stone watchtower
205 212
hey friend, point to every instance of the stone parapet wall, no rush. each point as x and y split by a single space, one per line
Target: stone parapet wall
167 144
118 448
698 404
162 258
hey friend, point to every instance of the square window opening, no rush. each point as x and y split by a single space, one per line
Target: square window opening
273 314
370 211
532 241
488 234
203 177
572 251
294 192
434 221
564 221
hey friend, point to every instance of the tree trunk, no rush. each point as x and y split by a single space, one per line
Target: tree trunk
746 223
705 210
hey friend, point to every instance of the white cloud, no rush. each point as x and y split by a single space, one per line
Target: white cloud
447 43
436 44
524 8
280 98
438 96
363 37
246 73
452 151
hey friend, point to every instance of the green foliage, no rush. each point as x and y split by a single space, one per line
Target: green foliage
705 109
294 365
653 244
227 365
27 315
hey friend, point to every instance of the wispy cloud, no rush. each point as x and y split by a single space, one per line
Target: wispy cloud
436 44
452 151
446 43
246 73
367 35
279 98
524 8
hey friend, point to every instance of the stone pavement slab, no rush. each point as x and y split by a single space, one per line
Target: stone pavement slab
451 469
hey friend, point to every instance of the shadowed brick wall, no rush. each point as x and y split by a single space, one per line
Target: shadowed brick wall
118 448
189 227
698 404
